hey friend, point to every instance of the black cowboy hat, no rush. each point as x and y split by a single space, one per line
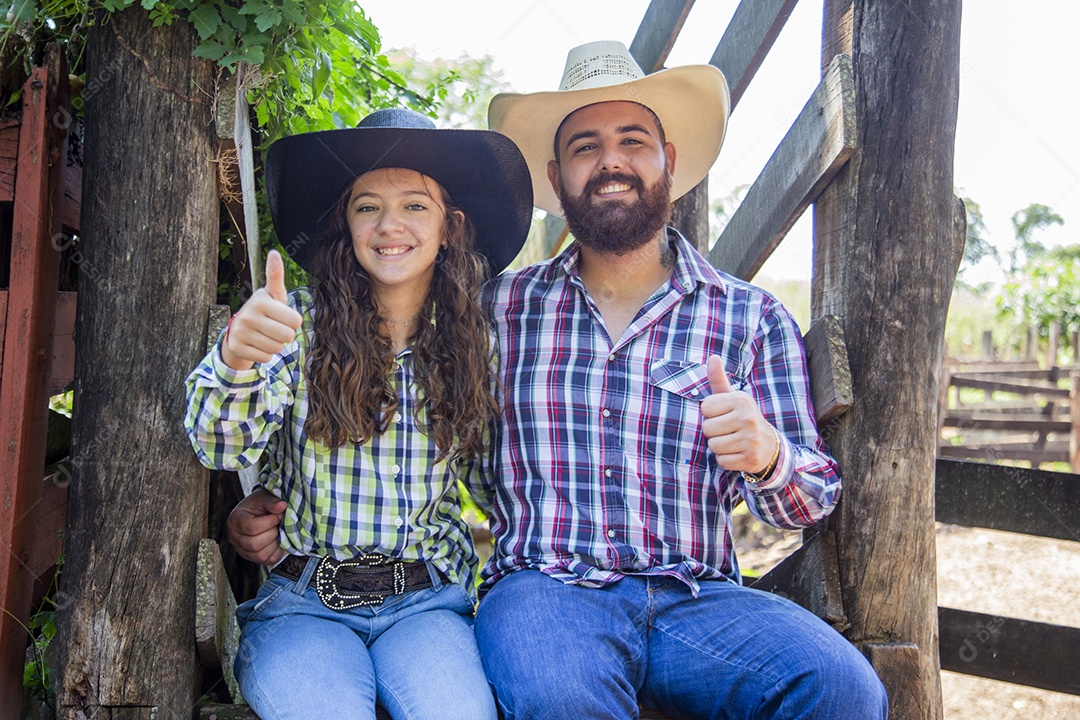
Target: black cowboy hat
483 171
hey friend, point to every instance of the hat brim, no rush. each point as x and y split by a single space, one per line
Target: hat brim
692 103
483 171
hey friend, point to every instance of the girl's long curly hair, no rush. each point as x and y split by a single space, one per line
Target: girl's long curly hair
351 363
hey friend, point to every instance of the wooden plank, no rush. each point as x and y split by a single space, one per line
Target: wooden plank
814 149
24 388
1021 500
986 421
9 156
810 577
62 369
747 40
72 210
1053 452
830 374
897 664
50 516
1020 388
656 34
1023 652
217 635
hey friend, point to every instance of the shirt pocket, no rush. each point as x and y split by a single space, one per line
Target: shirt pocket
672 423
688 380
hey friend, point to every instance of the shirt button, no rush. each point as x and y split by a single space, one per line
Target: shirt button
607 473
611 358
397 417
606 413
695 392
398 522
396 469
611 533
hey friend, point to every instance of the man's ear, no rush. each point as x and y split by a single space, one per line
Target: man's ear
669 155
553 177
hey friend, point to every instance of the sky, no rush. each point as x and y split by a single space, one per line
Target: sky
1016 138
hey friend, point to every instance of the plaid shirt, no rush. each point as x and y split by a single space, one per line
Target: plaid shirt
602 466
387 496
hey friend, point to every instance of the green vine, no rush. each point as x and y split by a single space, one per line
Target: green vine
320 61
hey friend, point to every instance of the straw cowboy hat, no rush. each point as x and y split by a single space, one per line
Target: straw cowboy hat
692 103
483 171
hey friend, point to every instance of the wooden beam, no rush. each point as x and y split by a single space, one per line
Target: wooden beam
988 421
814 149
980 382
890 213
897 664
657 32
1024 652
830 374
1021 500
24 396
62 370
810 577
747 40
217 635
1053 452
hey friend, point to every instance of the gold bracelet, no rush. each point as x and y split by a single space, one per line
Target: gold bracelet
756 478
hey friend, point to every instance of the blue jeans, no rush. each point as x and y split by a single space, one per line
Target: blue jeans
564 651
415 653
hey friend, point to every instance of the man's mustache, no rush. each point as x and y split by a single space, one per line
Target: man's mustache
600 180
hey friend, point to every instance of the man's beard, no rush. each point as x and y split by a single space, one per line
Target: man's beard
613 226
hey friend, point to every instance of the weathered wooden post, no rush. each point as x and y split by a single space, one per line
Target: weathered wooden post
147 263
26 326
887 247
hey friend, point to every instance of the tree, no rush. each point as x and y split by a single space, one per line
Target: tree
1025 222
138 498
460 87
1045 290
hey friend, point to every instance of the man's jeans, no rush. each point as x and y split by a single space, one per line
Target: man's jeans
415 652
564 651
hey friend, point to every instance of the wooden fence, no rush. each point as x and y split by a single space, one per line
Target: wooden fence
1012 409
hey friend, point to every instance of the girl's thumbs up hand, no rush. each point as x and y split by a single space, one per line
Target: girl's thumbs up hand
264 325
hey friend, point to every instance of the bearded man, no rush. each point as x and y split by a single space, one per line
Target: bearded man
646 395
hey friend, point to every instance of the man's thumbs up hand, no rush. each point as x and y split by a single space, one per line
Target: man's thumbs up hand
718 382
264 325
733 424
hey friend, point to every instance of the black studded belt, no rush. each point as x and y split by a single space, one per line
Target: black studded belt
358 582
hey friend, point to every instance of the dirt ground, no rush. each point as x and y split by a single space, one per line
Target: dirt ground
984 571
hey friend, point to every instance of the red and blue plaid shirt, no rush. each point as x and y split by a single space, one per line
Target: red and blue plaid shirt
601 466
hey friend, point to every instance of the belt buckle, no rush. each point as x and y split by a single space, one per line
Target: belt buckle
333 597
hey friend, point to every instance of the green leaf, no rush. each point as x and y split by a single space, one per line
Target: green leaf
206 20
210 50
268 19
323 68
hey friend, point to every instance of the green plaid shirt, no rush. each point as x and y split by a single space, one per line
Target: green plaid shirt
386 496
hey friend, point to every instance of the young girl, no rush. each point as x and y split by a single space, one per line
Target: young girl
370 395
